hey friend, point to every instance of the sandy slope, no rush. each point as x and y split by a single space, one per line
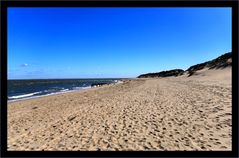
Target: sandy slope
175 113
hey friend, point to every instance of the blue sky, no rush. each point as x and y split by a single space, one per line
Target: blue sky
112 42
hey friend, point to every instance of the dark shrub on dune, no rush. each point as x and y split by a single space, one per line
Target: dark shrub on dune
175 72
222 61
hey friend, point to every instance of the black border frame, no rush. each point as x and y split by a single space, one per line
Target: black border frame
91 3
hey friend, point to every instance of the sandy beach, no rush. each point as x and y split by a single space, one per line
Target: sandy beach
172 113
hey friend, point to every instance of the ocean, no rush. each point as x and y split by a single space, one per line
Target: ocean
23 89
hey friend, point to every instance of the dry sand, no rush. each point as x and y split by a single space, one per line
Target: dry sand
175 113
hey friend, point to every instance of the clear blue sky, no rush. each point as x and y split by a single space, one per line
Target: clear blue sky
112 42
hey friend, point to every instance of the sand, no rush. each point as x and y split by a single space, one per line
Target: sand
174 113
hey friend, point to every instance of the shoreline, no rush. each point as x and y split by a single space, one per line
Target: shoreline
45 95
63 92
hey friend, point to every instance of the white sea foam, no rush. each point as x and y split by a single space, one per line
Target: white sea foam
24 95
64 90
86 87
77 88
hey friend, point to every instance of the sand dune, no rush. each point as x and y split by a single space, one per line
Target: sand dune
173 113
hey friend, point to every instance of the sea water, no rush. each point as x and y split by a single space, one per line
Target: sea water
23 89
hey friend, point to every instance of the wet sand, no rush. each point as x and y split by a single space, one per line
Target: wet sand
174 113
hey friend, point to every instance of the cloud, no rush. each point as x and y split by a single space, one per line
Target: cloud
24 65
